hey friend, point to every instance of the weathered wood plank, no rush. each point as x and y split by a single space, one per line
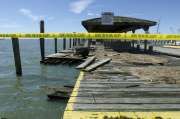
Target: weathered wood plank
122 107
104 77
97 64
127 85
94 100
68 51
111 85
86 63
146 89
129 94
56 55
112 81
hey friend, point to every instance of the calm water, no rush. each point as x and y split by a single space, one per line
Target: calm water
22 97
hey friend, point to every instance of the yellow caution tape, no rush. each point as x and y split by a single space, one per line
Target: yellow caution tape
121 115
125 36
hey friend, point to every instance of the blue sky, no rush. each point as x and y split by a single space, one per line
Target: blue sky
66 15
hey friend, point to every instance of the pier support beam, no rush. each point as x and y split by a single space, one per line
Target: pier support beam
17 57
145 45
78 42
150 49
146 29
42 44
70 43
133 42
55 45
75 42
138 47
64 44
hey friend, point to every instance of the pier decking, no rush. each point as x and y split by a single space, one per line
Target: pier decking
110 92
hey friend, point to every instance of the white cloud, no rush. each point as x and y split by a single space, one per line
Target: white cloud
92 14
28 13
50 18
79 6
10 25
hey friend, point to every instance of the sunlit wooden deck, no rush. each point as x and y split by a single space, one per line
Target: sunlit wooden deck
108 93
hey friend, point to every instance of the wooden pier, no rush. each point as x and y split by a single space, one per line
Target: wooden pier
63 57
112 93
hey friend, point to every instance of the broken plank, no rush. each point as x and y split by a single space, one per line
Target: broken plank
86 63
97 64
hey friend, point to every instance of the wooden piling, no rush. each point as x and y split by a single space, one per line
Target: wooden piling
55 45
145 45
78 42
42 44
133 42
150 49
146 29
64 44
17 57
70 43
138 47
75 42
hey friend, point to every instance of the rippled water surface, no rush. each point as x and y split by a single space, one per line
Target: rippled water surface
23 97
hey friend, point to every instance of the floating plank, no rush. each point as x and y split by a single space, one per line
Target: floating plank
99 100
97 64
86 63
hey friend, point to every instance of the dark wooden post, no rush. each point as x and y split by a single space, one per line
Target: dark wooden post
89 43
42 45
150 49
64 44
17 57
55 45
70 43
145 45
75 42
133 42
79 42
138 47
146 29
